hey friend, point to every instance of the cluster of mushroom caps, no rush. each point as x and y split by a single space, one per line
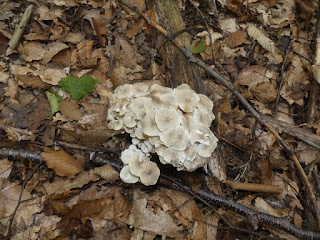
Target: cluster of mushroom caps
173 123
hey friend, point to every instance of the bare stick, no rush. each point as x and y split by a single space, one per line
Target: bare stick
244 102
14 41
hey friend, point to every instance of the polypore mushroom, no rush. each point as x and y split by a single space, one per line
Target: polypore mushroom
173 123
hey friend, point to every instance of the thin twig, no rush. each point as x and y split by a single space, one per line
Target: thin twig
188 54
15 39
283 66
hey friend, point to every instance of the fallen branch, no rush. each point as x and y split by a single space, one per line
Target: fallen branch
254 187
188 54
205 197
15 39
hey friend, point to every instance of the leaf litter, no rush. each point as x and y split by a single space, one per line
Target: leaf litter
84 50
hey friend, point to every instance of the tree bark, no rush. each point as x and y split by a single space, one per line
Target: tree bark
178 69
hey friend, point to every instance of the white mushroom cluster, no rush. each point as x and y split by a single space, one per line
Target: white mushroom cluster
173 123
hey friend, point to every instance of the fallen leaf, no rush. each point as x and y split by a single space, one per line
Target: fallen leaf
236 39
61 163
71 110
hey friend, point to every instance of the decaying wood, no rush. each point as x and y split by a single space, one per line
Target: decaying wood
188 54
178 69
254 187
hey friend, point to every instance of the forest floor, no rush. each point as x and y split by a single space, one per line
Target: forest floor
56 86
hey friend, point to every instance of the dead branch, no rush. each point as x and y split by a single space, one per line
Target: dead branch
188 54
14 41
254 187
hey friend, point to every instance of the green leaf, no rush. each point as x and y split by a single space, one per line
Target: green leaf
200 46
54 102
78 86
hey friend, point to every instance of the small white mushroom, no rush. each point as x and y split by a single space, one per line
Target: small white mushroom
136 167
149 126
190 152
169 154
157 90
130 154
187 99
127 176
205 150
201 134
140 89
167 118
169 100
150 174
195 164
124 91
177 138
201 117
205 104
130 120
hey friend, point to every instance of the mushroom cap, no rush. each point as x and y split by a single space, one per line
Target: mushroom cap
201 134
138 131
115 124
201 117
187 99
170 155
177 138
183 86
169 100
140 89
206 150
157 90
190 152
129 120
124 91
198 162
121 106
188 122
149 126
205 104
136 167
126 176
167 118
150 174
131 153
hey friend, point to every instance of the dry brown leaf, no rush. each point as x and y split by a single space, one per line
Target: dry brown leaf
53 49
71 110
128 54
100 30
107 172
31 51
12 90
160 222
236 38
261 83
135 28
264 41
33 82
48 75
61 163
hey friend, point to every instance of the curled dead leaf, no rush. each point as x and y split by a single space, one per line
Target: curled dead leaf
61 163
